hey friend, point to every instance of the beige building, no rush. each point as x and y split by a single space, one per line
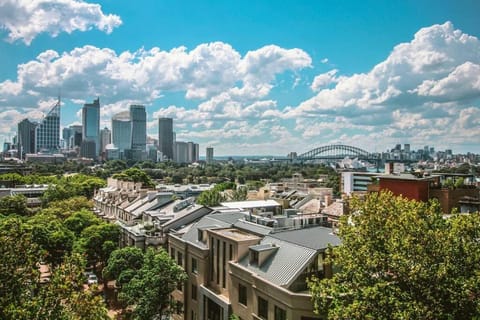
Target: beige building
255 272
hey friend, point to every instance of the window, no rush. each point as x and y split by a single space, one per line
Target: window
194 292
280 314
194 265
262 308
230 257
180 259
242 294
253 257
172 253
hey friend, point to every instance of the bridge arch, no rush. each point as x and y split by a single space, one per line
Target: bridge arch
336 151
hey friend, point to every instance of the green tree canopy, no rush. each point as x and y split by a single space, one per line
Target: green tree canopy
135 175
23 296
149 290
123 264
402 259
210 198
80 220
16 204
51 235
98 241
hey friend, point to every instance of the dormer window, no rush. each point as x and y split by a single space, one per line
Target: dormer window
253 257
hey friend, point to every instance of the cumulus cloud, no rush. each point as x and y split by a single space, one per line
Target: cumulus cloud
26 19
324 80
422 89
425 90
211 70
435 59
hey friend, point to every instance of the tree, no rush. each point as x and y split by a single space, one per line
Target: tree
210 198
64 297
239 194
150 288
66 207
23 296
98 241
18 260
16 204
135 175
49 233
123 264
401 259
80 220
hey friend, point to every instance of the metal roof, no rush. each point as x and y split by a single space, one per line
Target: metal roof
284 265
316 238
253 227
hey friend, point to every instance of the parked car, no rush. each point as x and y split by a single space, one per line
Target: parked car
92 279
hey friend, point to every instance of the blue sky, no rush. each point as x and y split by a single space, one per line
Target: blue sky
252 77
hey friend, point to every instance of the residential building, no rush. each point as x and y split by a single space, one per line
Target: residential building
165 137
242 268
91 129
48 131
353 182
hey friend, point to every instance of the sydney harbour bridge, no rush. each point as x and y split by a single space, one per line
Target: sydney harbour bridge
338 152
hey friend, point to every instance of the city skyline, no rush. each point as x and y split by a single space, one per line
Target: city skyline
263 78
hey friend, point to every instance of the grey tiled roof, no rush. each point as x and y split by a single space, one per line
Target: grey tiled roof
316 238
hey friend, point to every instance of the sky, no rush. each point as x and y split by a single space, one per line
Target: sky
252 77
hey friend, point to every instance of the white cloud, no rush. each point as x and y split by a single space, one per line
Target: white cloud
25 19
324 79
437 57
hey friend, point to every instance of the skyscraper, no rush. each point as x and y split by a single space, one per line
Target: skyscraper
138 118
209 158
121 130
26 137
105 139
48 131
91 128
165 137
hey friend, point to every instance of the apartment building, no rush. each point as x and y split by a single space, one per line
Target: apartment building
238 267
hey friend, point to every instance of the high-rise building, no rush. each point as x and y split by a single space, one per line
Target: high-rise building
192 155
91 128
165 137
26 137
76 139
209 158
406 148
121 130
48 131
66 135
181 152
138 118
105 139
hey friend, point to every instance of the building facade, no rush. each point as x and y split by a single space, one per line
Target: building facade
165 137
138 118
240 268
91 127
209 155
26 137
48 131
121 130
